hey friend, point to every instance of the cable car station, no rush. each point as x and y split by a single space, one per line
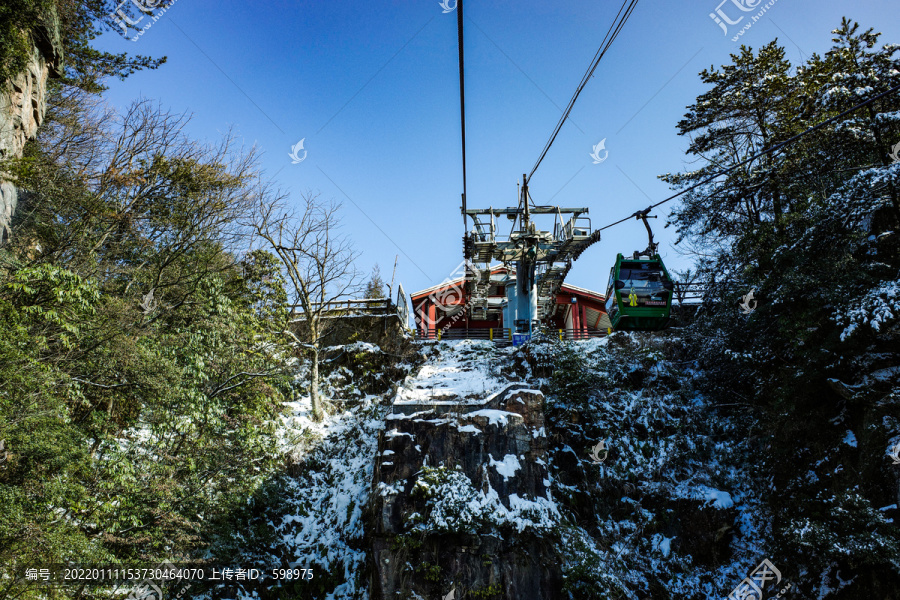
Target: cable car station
524 292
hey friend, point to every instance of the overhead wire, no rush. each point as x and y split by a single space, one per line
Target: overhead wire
614 29
462 102
762 153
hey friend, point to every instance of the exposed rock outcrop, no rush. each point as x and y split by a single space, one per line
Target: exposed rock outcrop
461 501
386 330
23 102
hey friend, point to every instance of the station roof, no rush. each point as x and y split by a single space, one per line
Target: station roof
498 272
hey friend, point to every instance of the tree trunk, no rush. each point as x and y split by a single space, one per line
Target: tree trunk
314 371
314 385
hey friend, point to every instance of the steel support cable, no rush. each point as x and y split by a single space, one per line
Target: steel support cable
462 104
624 12
774 148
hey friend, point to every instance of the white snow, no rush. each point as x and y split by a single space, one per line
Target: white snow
469 429
662 543
324 527
457 506
850 439
457 372
507 467
401 416
494 417
876 309
394 433
717 498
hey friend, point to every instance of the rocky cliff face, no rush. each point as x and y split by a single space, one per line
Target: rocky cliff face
23 102
461 502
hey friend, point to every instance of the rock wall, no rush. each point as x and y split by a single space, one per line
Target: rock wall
23 102
386 331
461 506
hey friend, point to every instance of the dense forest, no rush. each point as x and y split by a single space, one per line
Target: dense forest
813 229
147 364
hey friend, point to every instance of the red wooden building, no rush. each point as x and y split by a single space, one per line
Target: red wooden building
446 309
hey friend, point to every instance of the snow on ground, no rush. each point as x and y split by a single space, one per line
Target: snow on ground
664 447
319 522
457 372
324 529
457 506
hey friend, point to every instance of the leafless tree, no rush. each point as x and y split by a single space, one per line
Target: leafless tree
147 180
318 263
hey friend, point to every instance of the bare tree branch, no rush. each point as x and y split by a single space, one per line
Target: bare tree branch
318 262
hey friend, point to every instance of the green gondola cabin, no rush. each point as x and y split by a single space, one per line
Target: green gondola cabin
639 295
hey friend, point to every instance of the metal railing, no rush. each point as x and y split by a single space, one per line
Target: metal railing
368 306
688 293
505 335
577 224
493 334
577 334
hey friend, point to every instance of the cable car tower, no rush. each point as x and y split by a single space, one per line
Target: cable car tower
540 259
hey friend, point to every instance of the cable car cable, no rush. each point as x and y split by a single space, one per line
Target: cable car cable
610 37
624 12
759 154
462 104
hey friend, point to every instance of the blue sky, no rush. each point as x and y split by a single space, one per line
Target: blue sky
372 88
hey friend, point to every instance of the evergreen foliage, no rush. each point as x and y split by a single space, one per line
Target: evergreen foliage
375 286
75 24
143 360
144 363
813 229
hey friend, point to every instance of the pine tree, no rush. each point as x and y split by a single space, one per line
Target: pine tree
812 228
739 116
375 286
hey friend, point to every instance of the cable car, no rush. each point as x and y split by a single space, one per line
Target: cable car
640 290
